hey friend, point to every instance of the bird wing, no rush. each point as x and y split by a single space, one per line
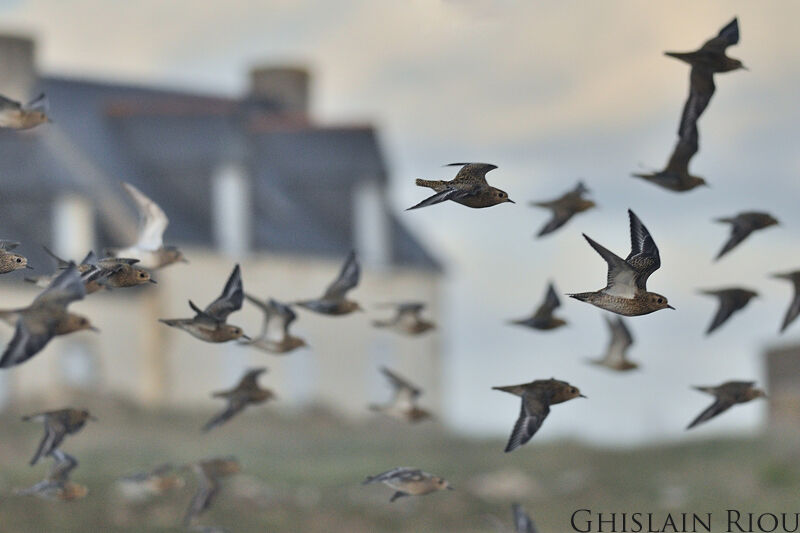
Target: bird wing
8 103
472 172
282 314
63 465
236 405
794 309
727 36
522 522
207 490
230 300
249 381
346 280
621 279
153 220
560 217
450 193
8 245
54 433
40 103
621 339
711 411
685 149
728 305
28 340
404 473
551 302
404 390
533 412
701 89
644 256
66 288
739 232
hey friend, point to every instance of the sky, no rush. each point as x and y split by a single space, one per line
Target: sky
550 92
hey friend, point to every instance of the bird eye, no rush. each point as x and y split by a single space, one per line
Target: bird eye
141 274
19 260
660 300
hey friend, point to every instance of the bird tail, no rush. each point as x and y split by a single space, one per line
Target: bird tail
683 56
582 296
431 184
516 390
725 220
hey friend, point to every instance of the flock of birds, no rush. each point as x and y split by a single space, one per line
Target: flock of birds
625 294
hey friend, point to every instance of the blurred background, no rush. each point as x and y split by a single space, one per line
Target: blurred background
284 134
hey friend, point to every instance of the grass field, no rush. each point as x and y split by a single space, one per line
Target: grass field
302 473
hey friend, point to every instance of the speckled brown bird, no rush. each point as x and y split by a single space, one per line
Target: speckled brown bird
522 522
403 405
209 324
730 300
621 339
727 395
564 208
537 397
44 318
112 272
246 392
542 318
468 188
275 337
334 302
57 425
9 262
142 486
57 485
408 481
742 225
209 474
626 292
18 116
149 247
794 306
407 319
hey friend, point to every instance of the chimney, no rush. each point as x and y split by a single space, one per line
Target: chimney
288 87
17 70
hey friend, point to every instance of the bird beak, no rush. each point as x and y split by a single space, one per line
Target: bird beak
92 328
29 267
583 396
670 307
151 280
450 487
511 201
245 337
184 260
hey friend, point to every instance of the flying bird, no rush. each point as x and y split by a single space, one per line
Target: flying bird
794 306
409 482
149 247
730 301
676 176
742 225
403 405
726 396
18 116
522 522
626 292
209 474
57 425
711 55
210 324
468 188
45 317
57 485
542 318
144 485
334 301
621 339
537 397
112 272
275 336
564 208
9 262
407 319
246 392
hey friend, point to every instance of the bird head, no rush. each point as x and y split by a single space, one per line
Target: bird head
442 484
658 301
500 197
18 261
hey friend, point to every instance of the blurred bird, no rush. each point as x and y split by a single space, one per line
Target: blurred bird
626 292
113 272
143 485
334 301
245 393
537 397
57 425
743 225
9 262
209 324
542 318
468 188
522 522
676 176
711 56
727 395
209 473
564 208
275 336
407 319
18 116
794 306
409 482
621 339
57 486
45 317
730 301
403 405
149 247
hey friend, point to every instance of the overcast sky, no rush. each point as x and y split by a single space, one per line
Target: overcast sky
550 92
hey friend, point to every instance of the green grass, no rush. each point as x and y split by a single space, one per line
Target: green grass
302 473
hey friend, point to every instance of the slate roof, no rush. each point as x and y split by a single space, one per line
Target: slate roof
169 143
